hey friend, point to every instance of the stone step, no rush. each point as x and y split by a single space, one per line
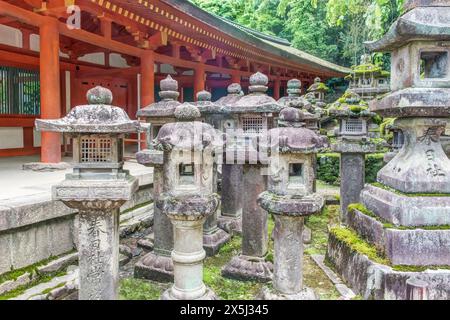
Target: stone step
55 289
406 210
51 267
413 247
136 220
373 280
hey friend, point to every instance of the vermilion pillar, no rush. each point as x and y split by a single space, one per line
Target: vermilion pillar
199 79
236 78
50 88
147 83
276 89
147 78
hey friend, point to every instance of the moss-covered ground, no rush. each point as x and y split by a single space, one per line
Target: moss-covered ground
228 289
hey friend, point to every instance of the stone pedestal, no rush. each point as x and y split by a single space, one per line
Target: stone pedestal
188 214
251 264
98 203
230 218
98 254
157 265
352 171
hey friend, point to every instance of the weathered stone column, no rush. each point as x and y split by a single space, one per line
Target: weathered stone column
352 172
157 265
97 187
230 218
251 263
188 215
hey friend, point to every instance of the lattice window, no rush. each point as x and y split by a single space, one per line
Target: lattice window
19 91
252 124
96 150
353 126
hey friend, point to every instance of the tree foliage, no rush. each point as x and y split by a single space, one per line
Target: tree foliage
331 29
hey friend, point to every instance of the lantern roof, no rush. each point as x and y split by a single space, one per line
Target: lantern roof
99 116
423 20
166 107
350 104
257 101
291 136
234 94
186 133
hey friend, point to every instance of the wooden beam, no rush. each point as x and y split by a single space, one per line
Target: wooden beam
20 14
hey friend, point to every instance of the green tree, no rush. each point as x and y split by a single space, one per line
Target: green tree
305 26
331 29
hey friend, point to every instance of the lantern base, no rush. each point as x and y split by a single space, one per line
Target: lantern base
232 225
209 295
212 242
247 268
154 267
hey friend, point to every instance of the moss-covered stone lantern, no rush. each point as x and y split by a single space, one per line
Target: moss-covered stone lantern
255 114
157 265
353 143
368 80
406 214
318 89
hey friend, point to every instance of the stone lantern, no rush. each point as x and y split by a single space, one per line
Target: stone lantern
97 188
231 191
255 114
290 198
368 80
353 116
157 265
407 213
213 237
318 89
187 197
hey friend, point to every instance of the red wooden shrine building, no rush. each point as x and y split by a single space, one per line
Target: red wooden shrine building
53 51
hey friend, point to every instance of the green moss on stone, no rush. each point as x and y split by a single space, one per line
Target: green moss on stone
351 239
21 289
31 269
